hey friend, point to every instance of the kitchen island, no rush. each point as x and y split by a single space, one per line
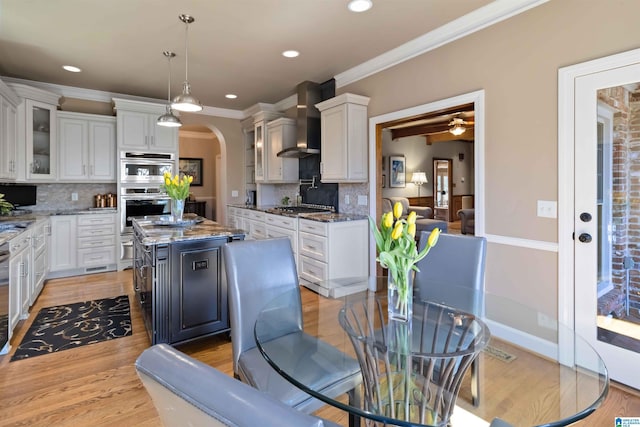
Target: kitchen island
179 278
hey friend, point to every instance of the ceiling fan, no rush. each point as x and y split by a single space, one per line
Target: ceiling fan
457 126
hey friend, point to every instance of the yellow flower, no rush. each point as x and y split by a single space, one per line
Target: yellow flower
397 231
433 237
177 188
411 229
411 219
387 220
397 210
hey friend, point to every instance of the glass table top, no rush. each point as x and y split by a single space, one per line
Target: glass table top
559 379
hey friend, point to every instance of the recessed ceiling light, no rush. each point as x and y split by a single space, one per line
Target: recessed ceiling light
231 96
360 5
290 53
71 68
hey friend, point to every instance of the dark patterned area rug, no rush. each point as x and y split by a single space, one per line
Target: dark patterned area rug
69 326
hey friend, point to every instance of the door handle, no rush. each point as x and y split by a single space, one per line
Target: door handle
585 237
585 217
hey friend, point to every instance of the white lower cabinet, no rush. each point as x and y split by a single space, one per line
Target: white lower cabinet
331 250
83 244
323 251
19 277
63 243
283 226
40 237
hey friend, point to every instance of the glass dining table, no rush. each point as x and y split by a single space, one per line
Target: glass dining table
534 372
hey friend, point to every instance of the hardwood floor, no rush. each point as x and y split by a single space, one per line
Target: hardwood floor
96 385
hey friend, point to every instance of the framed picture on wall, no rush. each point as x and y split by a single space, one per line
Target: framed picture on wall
192 167
397 170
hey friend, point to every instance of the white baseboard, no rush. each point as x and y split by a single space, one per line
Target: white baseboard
523 339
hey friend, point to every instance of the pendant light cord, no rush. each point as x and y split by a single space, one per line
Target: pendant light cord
186 53
169 82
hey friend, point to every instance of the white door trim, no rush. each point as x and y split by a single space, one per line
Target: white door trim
477 98
566 171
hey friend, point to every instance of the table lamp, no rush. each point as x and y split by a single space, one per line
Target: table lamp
419 178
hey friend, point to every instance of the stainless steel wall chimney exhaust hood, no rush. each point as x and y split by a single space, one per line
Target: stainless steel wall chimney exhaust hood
308 122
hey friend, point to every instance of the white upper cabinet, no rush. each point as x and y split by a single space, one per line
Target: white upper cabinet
344 138
37 134
87 145
9 102
260 121
137 128
281 134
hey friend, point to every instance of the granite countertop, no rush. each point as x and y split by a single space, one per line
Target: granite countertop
313 216
156 234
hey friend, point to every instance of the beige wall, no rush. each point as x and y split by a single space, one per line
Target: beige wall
516 62
205 146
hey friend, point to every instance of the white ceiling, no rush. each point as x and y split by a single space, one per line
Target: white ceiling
234 45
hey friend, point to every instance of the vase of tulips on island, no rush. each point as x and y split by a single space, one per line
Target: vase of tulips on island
398 253
178 190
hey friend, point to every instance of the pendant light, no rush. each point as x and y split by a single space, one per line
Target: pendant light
168 119
185 101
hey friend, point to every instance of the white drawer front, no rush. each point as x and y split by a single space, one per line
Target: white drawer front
281 221
96 242
273 232
313 246
256 215
312 270
96 219
257 230
244 212
313 227
98 256
101 230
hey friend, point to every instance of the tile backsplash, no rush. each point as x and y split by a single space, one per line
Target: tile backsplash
58 196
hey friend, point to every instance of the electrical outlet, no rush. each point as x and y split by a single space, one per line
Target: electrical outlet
346 199
547 209
234 193
362 200
74 197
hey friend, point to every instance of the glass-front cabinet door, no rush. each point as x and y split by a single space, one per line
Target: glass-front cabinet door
41 140
259 151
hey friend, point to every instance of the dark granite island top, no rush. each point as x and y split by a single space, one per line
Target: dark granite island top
153 230
179 278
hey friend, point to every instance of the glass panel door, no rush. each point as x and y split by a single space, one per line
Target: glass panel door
607 218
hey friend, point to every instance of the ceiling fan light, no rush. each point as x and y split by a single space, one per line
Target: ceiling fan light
185 101
457 130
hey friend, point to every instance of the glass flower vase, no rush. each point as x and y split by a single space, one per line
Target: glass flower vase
177 209
400 296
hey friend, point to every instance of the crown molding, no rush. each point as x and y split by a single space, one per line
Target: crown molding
102 96
483 17
287 103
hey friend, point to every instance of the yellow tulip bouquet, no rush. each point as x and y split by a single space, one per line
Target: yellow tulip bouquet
398 252
176 188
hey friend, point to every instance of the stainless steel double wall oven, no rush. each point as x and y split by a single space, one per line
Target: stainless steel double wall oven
140 179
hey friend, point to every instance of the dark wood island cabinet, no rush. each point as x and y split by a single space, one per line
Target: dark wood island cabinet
179 278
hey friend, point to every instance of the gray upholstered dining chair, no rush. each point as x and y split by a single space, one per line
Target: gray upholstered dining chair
186 391
257 271
453 274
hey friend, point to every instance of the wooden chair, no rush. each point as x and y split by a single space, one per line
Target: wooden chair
453 274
